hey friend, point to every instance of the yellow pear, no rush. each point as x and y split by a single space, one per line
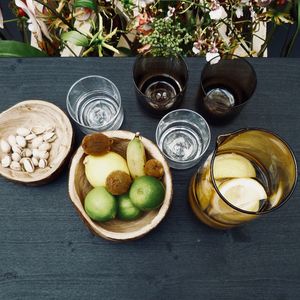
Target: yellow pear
97 168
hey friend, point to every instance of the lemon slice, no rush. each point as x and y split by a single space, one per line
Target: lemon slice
231 165
244 193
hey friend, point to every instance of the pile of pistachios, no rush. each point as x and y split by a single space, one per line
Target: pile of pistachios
29 149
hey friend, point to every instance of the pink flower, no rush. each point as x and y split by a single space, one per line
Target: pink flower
143 21
217 11
197 47
213 56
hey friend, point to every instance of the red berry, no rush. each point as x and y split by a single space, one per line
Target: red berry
21 12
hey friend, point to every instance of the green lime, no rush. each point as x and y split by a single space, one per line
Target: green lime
147 193
126 210
100 205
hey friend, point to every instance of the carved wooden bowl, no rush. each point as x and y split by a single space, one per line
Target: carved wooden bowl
118 230
32 113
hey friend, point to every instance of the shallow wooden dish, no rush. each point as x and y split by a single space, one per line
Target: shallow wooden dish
117 230
32 113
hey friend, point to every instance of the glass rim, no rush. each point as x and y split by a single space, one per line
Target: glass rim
68 102
258 213
180 57
205 148
207 64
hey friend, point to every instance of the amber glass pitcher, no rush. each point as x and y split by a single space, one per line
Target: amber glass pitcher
251 172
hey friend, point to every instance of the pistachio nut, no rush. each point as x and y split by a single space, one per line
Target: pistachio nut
37 130
22 131
5 146
16 149
37 142
16 156
14 165
30 137
45 146
43 163
12 140
21 141
28 165
35 161
5 161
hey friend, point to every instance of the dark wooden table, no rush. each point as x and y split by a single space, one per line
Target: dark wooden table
46 252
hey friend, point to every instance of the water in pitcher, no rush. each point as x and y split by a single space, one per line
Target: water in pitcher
241 180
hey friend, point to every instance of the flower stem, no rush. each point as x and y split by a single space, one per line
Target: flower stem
193 3
237 37
12 20
268 39
25 36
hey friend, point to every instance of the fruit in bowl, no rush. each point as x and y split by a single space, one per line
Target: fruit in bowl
140 207
110 174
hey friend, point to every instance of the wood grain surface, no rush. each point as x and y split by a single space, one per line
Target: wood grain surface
46 252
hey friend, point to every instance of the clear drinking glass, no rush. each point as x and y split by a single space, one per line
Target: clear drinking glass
250 173
94 103
183 136
160 82
225 88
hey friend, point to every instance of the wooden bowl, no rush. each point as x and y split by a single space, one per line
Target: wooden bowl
33 113
117 230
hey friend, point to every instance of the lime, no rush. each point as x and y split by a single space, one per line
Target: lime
126 210
147 193
100 205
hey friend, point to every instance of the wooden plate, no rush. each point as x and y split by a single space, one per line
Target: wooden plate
117 230
33 113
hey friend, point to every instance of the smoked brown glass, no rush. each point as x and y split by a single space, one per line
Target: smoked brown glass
226 86
160 82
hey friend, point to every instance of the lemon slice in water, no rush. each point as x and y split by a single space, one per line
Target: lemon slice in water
231 165
243 193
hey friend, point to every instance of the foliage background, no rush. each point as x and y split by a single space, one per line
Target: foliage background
282 34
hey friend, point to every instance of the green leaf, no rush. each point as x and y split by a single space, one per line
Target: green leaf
18 49
297 32
85 3
125 51
75 38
